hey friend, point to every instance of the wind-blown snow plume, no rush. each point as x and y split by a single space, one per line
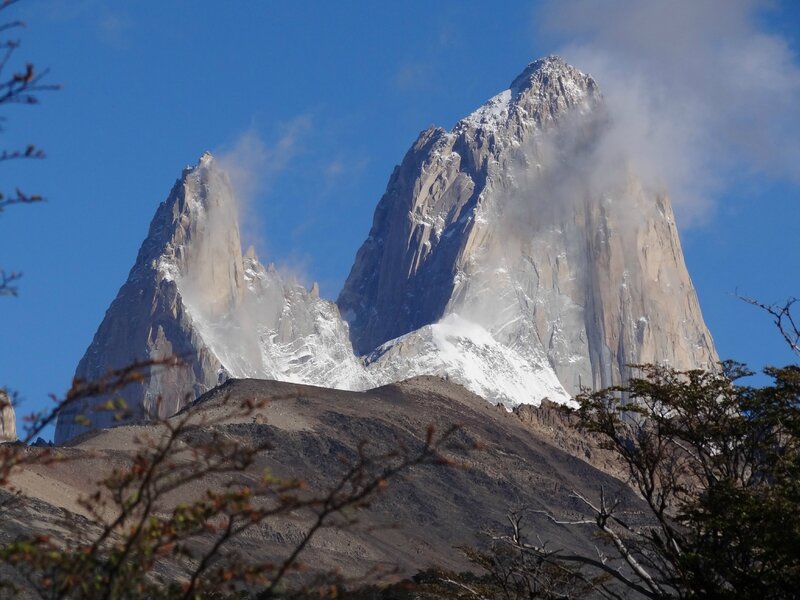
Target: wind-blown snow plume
253 164
696 91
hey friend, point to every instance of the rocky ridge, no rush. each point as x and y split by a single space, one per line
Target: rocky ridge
314 435
495 259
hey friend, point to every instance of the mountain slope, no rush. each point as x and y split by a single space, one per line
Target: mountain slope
313 434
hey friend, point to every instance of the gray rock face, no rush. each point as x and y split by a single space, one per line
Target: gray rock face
425 225
148 319
504 222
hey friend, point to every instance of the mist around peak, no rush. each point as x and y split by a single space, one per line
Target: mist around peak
700 95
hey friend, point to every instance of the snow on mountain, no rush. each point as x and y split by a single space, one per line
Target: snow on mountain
465 352
281 331
510 254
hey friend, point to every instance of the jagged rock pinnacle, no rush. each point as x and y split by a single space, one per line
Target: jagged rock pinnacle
551 66
194 295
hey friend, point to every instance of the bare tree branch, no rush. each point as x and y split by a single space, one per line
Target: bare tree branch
785 320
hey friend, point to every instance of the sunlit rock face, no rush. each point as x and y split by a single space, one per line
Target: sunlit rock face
509 223
513 255
193 294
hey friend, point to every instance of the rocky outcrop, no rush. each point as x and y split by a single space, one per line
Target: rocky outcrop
8 419
559 426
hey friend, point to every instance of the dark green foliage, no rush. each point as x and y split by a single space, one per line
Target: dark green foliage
718 463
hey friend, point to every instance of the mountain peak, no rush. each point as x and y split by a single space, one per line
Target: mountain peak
205 163
552 76
474 224
546 88
548 65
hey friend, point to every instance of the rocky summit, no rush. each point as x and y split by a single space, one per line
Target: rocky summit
194 294
511 254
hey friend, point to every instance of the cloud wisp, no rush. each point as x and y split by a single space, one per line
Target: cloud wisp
700 94
253 165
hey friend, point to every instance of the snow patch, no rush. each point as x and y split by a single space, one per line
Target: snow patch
465 352
491 114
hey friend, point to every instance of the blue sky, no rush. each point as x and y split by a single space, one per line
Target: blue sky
330 96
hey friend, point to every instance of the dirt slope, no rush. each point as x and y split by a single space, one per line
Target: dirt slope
313 431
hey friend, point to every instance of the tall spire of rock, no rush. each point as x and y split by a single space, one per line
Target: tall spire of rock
426 219
193 295
194 234
500 223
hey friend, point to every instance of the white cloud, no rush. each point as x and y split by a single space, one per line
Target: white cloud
335 168
412 76
699 92
253 165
